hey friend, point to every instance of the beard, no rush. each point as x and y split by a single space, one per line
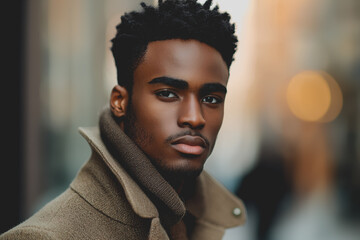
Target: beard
143 138
177 177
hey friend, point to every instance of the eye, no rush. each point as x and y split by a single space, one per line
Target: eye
212 100
166 94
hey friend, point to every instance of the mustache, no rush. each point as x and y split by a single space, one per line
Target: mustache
187 133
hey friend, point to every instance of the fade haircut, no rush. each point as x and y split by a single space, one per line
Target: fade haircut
171 19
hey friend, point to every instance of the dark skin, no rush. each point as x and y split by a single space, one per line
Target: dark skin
176 107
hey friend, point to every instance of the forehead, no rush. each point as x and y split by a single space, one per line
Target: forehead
183 59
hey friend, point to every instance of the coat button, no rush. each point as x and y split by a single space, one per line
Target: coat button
236 212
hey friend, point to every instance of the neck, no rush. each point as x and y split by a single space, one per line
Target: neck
178 185
184 187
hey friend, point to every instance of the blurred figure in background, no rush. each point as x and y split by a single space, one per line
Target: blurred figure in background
305 184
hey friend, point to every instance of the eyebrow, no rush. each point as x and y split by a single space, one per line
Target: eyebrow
182 84
212 87
172 82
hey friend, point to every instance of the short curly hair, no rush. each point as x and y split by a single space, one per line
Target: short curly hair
171 19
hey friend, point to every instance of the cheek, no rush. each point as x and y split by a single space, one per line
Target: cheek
157 117
214 120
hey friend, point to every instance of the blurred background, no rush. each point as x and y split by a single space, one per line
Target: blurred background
290 141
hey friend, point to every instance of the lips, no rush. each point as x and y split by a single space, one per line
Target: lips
192 145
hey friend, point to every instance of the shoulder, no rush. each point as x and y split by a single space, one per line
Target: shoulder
70 216
28 233
45 223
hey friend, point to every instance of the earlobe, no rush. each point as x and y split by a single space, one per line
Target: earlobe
118 101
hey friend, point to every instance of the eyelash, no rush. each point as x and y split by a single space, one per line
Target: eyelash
217 99
164 94
161 94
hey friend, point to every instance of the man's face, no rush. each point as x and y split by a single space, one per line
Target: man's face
177 104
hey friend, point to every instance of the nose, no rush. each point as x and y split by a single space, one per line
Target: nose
191 114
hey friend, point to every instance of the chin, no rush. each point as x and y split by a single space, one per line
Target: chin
180 174
181 171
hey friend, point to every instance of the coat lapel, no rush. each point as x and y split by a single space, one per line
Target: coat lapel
215 209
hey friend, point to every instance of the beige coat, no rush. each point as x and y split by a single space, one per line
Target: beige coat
104 202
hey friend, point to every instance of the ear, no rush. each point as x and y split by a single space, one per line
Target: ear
119 100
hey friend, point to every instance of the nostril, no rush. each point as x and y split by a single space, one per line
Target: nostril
193 124
191 115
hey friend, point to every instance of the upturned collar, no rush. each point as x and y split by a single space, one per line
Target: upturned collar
171 208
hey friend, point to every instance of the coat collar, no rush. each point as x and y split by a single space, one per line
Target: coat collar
211 203
170 207
138 200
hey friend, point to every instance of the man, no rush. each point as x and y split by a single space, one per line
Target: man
144 179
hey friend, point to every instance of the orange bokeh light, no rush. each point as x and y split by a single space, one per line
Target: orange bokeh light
314 96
